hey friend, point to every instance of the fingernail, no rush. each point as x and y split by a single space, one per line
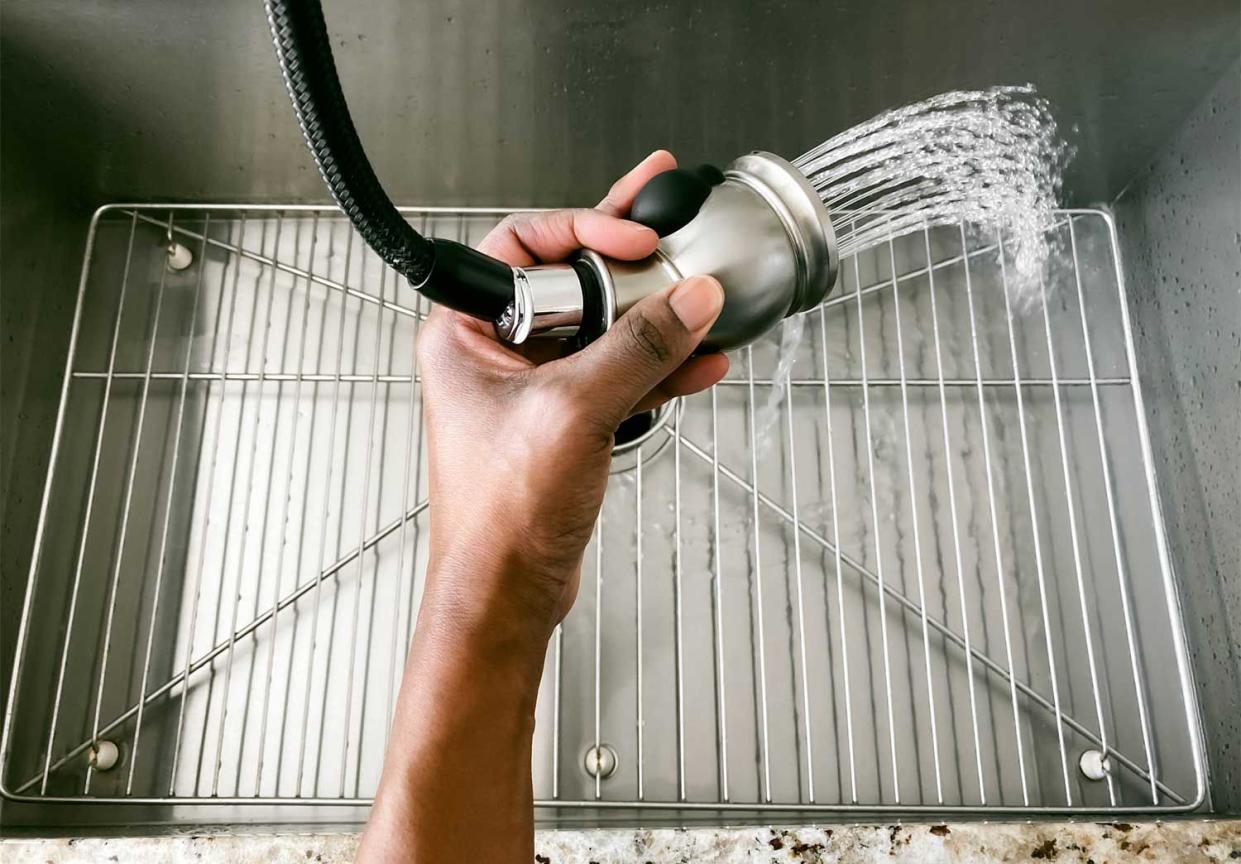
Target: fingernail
696 301
637 228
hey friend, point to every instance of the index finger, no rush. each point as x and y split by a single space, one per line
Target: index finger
620 196
526 238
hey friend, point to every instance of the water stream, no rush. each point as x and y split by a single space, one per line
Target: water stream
986 159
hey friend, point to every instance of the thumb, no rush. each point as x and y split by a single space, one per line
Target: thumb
644 346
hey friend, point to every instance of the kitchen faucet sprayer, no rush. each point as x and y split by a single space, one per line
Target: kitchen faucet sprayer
761 226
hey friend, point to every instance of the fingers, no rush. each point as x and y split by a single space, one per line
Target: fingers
528 238
693 376
643 348
621 195
531 238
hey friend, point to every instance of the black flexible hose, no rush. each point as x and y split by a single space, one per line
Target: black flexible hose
445 271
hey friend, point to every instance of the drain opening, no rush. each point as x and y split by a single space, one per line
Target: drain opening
634 427
642 437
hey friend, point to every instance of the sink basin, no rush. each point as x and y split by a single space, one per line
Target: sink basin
923 553
908 557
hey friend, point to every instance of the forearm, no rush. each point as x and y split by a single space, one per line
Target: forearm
457 769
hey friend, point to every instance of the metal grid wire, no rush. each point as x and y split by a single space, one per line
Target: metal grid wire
911 561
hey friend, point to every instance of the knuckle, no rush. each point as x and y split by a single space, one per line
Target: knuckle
552 227
535 232
512 222
647 338
529 226
514 225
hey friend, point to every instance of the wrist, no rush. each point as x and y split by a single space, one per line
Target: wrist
489 613
464 665
506 577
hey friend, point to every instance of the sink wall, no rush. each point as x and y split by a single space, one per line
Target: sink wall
1180 230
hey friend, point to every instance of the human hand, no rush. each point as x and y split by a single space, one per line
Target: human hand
519 450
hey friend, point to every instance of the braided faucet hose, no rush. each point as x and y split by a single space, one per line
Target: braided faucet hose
443 270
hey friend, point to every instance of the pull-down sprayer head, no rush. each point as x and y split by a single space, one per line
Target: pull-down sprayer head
761 230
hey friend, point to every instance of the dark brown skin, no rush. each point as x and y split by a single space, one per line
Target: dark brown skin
518 454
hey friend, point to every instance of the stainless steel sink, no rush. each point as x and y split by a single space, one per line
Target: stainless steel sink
912 561
954 556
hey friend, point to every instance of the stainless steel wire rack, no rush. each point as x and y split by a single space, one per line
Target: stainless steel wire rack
908 557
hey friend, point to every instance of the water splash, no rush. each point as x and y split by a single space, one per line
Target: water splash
979 157
989 160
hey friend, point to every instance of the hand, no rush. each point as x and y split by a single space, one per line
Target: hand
519 451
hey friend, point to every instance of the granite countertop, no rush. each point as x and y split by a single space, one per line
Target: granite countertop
1185 841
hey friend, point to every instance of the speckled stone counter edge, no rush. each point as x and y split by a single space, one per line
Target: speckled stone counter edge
1181 841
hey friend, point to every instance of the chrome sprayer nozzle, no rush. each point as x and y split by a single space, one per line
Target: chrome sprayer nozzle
763 232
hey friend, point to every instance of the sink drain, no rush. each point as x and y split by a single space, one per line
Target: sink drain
642 436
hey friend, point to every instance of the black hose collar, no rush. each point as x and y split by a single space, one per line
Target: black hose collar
465 279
